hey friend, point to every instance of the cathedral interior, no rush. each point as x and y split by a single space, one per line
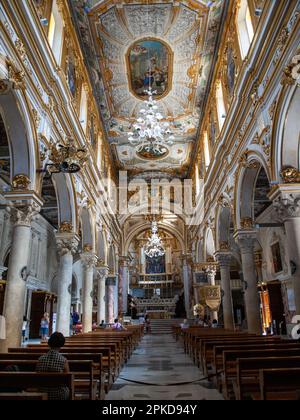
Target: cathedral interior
150 174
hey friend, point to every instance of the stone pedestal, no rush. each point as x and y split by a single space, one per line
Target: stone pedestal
246 240
224 259
102 274
286 201
89 261
21 215
67 244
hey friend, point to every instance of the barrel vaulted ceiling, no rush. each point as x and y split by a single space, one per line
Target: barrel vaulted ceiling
114 36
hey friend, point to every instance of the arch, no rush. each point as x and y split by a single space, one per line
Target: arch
245 186
146 226
101 247
223 223
286 132
209 244
66 199
112 264
87 227
21 134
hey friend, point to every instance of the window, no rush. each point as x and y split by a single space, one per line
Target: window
55 33
197 180
83 109
220 105
245 28
206 150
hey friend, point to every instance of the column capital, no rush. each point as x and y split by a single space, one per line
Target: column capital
246 240
103 271
223 258
89 260
67 243
123 261
286 200
23 206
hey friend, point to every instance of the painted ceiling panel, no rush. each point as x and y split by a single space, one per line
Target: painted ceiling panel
123 36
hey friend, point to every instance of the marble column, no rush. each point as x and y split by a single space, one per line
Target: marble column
211 276
286 201
89 261
110 285
21 217
246 239
224 260
123 284
67 244
102 274
186 285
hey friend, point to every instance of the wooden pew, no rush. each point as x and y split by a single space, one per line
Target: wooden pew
230 366
99 371
108 363
247 377
25 380
279 384
83 371
25 396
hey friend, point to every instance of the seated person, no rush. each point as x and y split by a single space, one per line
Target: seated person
102 325
184 325
53 361
118 326
214 324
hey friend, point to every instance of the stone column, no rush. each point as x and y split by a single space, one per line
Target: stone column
89 261
102 274
224 259
110 284
246 239
67 243
123 284
186 284
286 201
22 214
211 276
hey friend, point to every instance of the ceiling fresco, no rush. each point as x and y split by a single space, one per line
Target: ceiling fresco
169 46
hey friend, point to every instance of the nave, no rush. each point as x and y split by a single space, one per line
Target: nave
161 361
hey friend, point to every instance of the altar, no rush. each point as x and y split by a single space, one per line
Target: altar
156 307
158 314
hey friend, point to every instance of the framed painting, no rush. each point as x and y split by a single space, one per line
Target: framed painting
276 256
150 65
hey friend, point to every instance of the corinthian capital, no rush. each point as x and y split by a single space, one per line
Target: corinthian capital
286 201
67 243
22 215
89 260
102 272
223 258
246 240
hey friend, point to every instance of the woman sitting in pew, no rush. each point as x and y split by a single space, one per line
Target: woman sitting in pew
53 361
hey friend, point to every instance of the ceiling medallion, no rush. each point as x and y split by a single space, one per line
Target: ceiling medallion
154 247
152 155
149 133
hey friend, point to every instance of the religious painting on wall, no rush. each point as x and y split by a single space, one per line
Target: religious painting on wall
155 265
149 66
71 74
230 71
276 256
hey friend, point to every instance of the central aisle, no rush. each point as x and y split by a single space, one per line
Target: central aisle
159 359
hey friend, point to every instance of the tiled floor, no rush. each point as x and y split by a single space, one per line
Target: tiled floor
161 364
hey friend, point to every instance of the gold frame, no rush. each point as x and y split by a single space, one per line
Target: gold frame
170 67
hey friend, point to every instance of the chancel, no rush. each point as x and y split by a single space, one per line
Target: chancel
149 200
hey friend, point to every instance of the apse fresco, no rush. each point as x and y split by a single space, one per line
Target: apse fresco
149 66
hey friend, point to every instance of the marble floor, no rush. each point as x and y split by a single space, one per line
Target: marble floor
161 364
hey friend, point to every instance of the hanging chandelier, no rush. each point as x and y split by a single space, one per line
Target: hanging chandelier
149 132
154 247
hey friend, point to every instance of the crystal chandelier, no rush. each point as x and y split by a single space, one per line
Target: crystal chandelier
149 133
154 247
